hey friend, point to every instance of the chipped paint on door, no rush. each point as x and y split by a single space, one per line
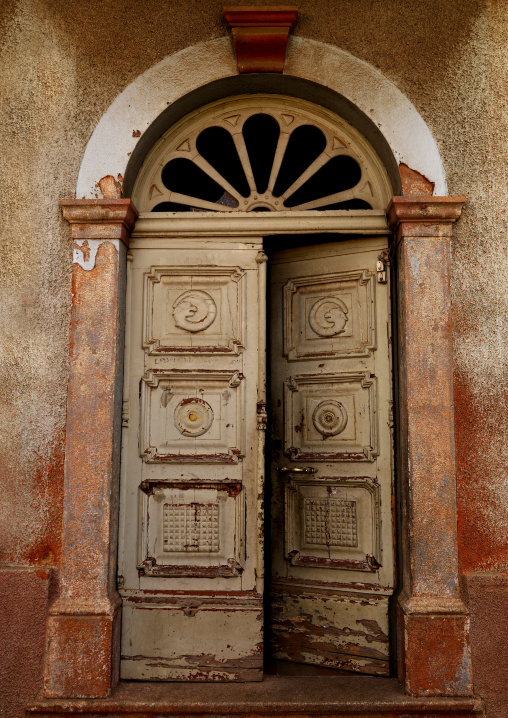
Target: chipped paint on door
331 478
189 557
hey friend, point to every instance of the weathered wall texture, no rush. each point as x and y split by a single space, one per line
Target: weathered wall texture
62 64
24 595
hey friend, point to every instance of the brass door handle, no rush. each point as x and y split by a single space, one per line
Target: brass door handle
297 470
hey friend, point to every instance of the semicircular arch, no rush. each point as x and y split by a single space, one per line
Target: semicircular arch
315 71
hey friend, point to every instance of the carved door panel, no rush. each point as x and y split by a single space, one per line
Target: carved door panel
188 563
331 483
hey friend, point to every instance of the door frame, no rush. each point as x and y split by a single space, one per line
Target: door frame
83 637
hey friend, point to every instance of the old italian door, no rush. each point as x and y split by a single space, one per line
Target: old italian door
331 474
191 520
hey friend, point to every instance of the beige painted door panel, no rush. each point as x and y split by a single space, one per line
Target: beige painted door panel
188 562
331 475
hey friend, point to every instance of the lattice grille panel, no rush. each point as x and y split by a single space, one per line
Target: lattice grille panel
191 527
330 522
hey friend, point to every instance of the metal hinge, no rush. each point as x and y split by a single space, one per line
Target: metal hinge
382 267
261 416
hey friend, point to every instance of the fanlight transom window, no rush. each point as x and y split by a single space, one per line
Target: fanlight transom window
261 153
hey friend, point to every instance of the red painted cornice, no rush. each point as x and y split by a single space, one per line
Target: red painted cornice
100 218
423 216
424 208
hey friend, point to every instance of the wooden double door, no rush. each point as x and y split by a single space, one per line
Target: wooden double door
203 597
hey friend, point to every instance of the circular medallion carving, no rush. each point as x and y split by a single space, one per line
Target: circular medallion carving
329 417
193 417
328 316
194 311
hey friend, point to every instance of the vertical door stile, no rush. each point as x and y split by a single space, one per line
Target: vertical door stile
261 259
125 420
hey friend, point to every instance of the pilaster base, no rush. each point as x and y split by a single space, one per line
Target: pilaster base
83 645
434 648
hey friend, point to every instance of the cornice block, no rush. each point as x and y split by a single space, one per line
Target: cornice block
260 35
100 218
423 208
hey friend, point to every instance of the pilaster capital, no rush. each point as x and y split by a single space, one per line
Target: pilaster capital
100 218
424 216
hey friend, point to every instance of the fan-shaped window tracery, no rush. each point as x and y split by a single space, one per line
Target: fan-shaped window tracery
261 153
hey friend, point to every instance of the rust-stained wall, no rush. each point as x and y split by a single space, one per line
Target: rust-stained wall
62 64
24 595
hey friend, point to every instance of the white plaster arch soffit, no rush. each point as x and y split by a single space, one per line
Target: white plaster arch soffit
136 108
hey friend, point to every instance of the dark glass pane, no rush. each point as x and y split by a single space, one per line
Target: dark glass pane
182 175
217 147
261 134
304 146
170 207
338 174
349 204
228 200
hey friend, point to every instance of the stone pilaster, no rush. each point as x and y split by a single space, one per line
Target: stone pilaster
82 651
433 624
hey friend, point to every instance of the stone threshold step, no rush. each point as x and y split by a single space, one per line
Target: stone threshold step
291 696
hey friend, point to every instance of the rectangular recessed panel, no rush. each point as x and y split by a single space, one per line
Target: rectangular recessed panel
330 315
193 310
192 414
330 522
191 527
331 417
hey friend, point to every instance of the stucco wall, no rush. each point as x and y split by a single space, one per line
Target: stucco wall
63 63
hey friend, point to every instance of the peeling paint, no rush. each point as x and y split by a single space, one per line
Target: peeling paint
110 188
414 183
414 262
85 252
